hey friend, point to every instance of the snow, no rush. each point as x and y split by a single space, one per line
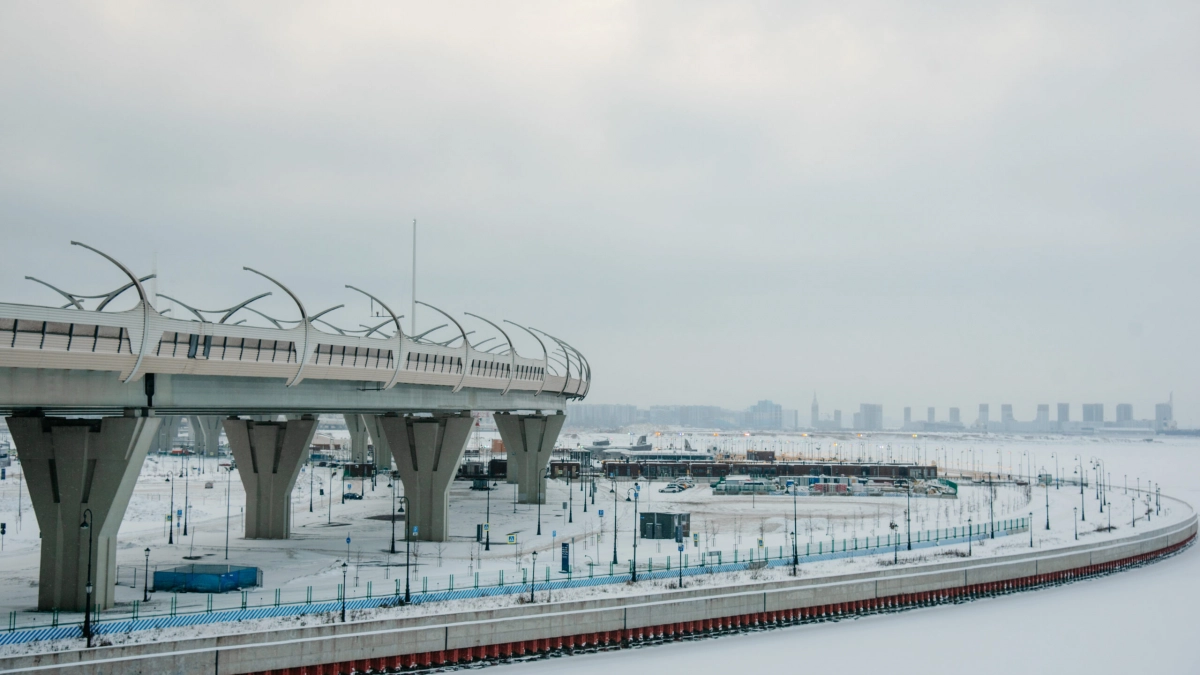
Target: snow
1134 622
313 557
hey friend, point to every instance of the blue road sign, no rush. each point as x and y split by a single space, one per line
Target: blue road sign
601 513
347 540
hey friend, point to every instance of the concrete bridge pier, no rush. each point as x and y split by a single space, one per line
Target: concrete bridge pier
358 437
73 466
269 456
207 430
168 431
383 453
427 451
529 440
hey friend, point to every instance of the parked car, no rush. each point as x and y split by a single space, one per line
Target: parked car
671 488
351 495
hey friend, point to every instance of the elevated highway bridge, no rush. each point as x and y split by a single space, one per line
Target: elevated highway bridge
88 392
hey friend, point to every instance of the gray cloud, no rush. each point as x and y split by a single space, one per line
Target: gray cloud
916 205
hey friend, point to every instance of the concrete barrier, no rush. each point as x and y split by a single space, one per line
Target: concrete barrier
337 649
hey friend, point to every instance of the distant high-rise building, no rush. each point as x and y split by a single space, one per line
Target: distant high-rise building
1043 412
816 412
1093 413
983 415
765 415
1164 415
837 419
1124 412
907 415
954 416
791 419
857 420
930 415
1064 412
1006 413
871 417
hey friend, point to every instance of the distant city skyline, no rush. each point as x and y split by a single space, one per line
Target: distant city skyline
767 414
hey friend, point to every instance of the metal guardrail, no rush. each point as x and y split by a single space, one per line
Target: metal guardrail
924 539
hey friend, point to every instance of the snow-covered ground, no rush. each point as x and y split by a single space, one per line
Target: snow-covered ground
313 557
1135 622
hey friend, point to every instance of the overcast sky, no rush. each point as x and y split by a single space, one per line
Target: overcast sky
716 202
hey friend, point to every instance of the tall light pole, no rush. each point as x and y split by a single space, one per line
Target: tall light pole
908 517
228 503
532 576
407 529
392 484
970 536
345 567
1082 515
1076 522
991 508
146 578
614 493
636 490
487 519
329 497
187 474
86 526
795 551
1047 486
171 515
311 470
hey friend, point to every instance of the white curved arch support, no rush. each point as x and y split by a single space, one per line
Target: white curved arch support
585 367
189 308
466 345
399 335
113 296
545 355
145 346
70 298
567 379
235 308
302 353
512 352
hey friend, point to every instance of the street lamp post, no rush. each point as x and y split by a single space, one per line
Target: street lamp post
146 578
228 505
487 519
795 550
171 515
1047 506
186 481
1076 520
392 484
311 468
795 558
908 517
636 491
991 508
407 530
1031 529
532 576
970 537
329 497
1057 482
345 567
541 493
1082 514
86 526
570 498
614 491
